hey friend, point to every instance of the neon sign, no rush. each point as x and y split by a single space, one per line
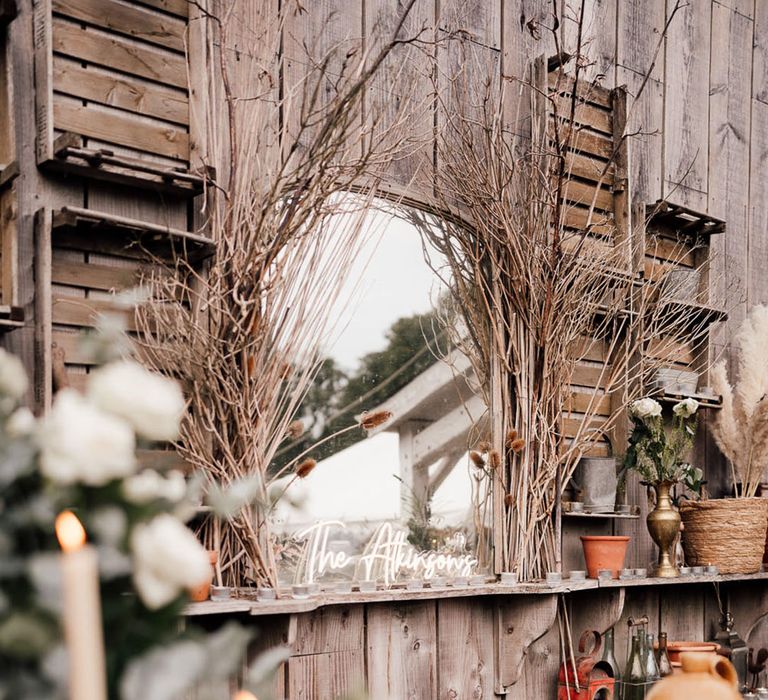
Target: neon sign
387 557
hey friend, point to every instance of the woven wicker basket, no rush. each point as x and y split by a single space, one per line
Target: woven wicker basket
726 532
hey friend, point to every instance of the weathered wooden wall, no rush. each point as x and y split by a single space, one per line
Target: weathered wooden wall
701 139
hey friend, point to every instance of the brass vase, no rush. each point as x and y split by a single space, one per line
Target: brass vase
664 526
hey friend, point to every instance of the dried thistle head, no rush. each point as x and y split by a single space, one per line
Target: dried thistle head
510 438
295 430
509 499
517 445
494 459
484 447
477 459
305 467
369 421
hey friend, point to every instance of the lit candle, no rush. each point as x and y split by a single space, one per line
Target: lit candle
82 611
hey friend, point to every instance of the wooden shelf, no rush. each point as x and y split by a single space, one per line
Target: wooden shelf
289 605
683 220
700 314
11 318
8 173
603 516
705 400
86 229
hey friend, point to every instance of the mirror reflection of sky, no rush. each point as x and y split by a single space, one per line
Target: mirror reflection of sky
389 279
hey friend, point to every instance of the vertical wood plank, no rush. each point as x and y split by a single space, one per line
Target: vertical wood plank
686 120
598 38
43 312
539 675
465 649
682 614
401 648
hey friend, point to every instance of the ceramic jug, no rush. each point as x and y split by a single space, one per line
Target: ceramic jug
704 677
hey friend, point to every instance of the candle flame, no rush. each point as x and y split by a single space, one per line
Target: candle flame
244 695
69 531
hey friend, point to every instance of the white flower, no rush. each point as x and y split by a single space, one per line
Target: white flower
167 560
13 378
20 423
152 404
686 408
646 408
81 443
148 486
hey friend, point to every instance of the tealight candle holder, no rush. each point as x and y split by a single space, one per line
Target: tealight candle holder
697 570
712 570
221 592
640 573
626 574
437 582
554 578
300 590
604 574
343 587
509 578
265 593
685 571
578 575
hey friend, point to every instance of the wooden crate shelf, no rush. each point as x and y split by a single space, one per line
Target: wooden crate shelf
11 318
86 229
683 220
704 400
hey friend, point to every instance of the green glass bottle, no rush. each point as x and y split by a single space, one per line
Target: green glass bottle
633 679
651 667
662 657
609 656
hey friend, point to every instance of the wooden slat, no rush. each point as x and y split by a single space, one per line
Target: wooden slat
586 91
670 349
589 168
583 193
579 401
120 54
591 143
174 7
570 426
575 217
137 22
70 311
91 276
408 669
586 375
585 114
669 250
116 90
120 127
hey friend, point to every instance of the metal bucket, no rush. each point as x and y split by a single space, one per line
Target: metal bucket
596 479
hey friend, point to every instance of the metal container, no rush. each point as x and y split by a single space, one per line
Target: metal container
596 480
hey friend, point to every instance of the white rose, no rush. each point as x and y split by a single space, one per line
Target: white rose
646 408
20 423
686 408
148 486
81 443
151 403
13 378
167 560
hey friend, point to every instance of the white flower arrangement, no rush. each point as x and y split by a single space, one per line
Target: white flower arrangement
645 408
152 404
686 408
81 443
167 560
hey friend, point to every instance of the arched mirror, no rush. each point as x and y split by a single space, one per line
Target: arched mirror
404 500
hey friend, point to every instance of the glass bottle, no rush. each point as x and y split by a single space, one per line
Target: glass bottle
652 673
608 655
662 657
633 683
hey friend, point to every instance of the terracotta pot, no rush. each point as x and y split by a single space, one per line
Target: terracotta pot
704 676
675 649
604 553
200 593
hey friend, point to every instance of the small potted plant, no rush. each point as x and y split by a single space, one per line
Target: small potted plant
740 430
658 453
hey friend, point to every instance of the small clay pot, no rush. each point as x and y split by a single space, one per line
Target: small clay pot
200 593
604 552
675 649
